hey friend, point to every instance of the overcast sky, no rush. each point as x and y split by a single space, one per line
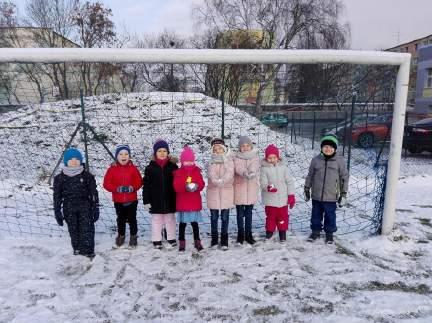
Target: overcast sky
375 24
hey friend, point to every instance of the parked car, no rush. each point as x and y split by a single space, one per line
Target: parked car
365 135
339 128
418 136
275 119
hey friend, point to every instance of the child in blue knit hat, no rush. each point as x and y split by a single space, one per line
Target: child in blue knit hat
76 201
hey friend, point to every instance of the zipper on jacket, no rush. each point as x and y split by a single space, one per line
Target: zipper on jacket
163 188
325 174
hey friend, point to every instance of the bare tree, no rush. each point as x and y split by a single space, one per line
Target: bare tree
53 22
8 16
163 77
95 28
282 21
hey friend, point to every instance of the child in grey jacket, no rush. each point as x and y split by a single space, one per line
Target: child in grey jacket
328 178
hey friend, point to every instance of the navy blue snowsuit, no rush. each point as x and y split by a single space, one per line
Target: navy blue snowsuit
79 199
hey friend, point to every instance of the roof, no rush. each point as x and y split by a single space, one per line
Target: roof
410 42
42 28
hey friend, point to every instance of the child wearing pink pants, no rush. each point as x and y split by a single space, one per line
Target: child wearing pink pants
158 191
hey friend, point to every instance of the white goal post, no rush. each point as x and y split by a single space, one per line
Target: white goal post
246 56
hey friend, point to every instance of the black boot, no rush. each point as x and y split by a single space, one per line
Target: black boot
269 234
329 238
282 236
133 241
224 241
214 241
313 236
240 237
250 239
119 241
157 244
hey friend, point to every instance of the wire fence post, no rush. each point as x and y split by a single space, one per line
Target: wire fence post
84 124
223 114
313 130
353 103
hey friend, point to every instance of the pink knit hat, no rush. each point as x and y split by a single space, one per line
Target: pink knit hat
187 155
271 150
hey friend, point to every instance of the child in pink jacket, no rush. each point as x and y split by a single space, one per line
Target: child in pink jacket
246 187
220 190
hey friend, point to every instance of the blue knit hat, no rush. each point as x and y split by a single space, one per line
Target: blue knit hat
72 153
160 144
119 148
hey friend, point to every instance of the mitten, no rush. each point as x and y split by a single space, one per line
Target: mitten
342 199
291 201
271 188
307 194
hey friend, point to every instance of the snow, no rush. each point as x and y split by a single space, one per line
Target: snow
361 278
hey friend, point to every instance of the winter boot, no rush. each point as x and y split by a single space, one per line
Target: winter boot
250 239
157 244
224 241
282 236
198 245
172 243
240 237
314 236
119 241
269 235
182 245
329 238
133 241
214 240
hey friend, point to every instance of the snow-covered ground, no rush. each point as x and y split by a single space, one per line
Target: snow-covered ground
360 279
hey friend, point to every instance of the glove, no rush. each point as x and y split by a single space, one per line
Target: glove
59 218
95 214
125 189
342 199
271 188
191 187
291 201
250 175
307 195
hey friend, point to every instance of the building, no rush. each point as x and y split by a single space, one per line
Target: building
413 48
423 97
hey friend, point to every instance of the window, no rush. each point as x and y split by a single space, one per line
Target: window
429 78
416 47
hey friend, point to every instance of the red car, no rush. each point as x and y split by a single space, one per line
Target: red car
366 134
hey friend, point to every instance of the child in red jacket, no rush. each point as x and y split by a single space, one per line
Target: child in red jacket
188 184
123 180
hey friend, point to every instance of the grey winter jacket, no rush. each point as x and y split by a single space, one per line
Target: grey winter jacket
280 177
327 178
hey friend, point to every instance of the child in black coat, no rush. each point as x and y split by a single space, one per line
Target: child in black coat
76 201
158 191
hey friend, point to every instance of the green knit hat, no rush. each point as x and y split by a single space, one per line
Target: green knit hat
330 140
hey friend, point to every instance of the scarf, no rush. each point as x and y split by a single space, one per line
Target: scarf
73 171
161 162
247 154
217 159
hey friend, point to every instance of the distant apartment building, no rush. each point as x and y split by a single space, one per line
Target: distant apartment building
423 99
413 48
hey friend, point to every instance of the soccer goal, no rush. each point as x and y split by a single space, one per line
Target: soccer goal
93 99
